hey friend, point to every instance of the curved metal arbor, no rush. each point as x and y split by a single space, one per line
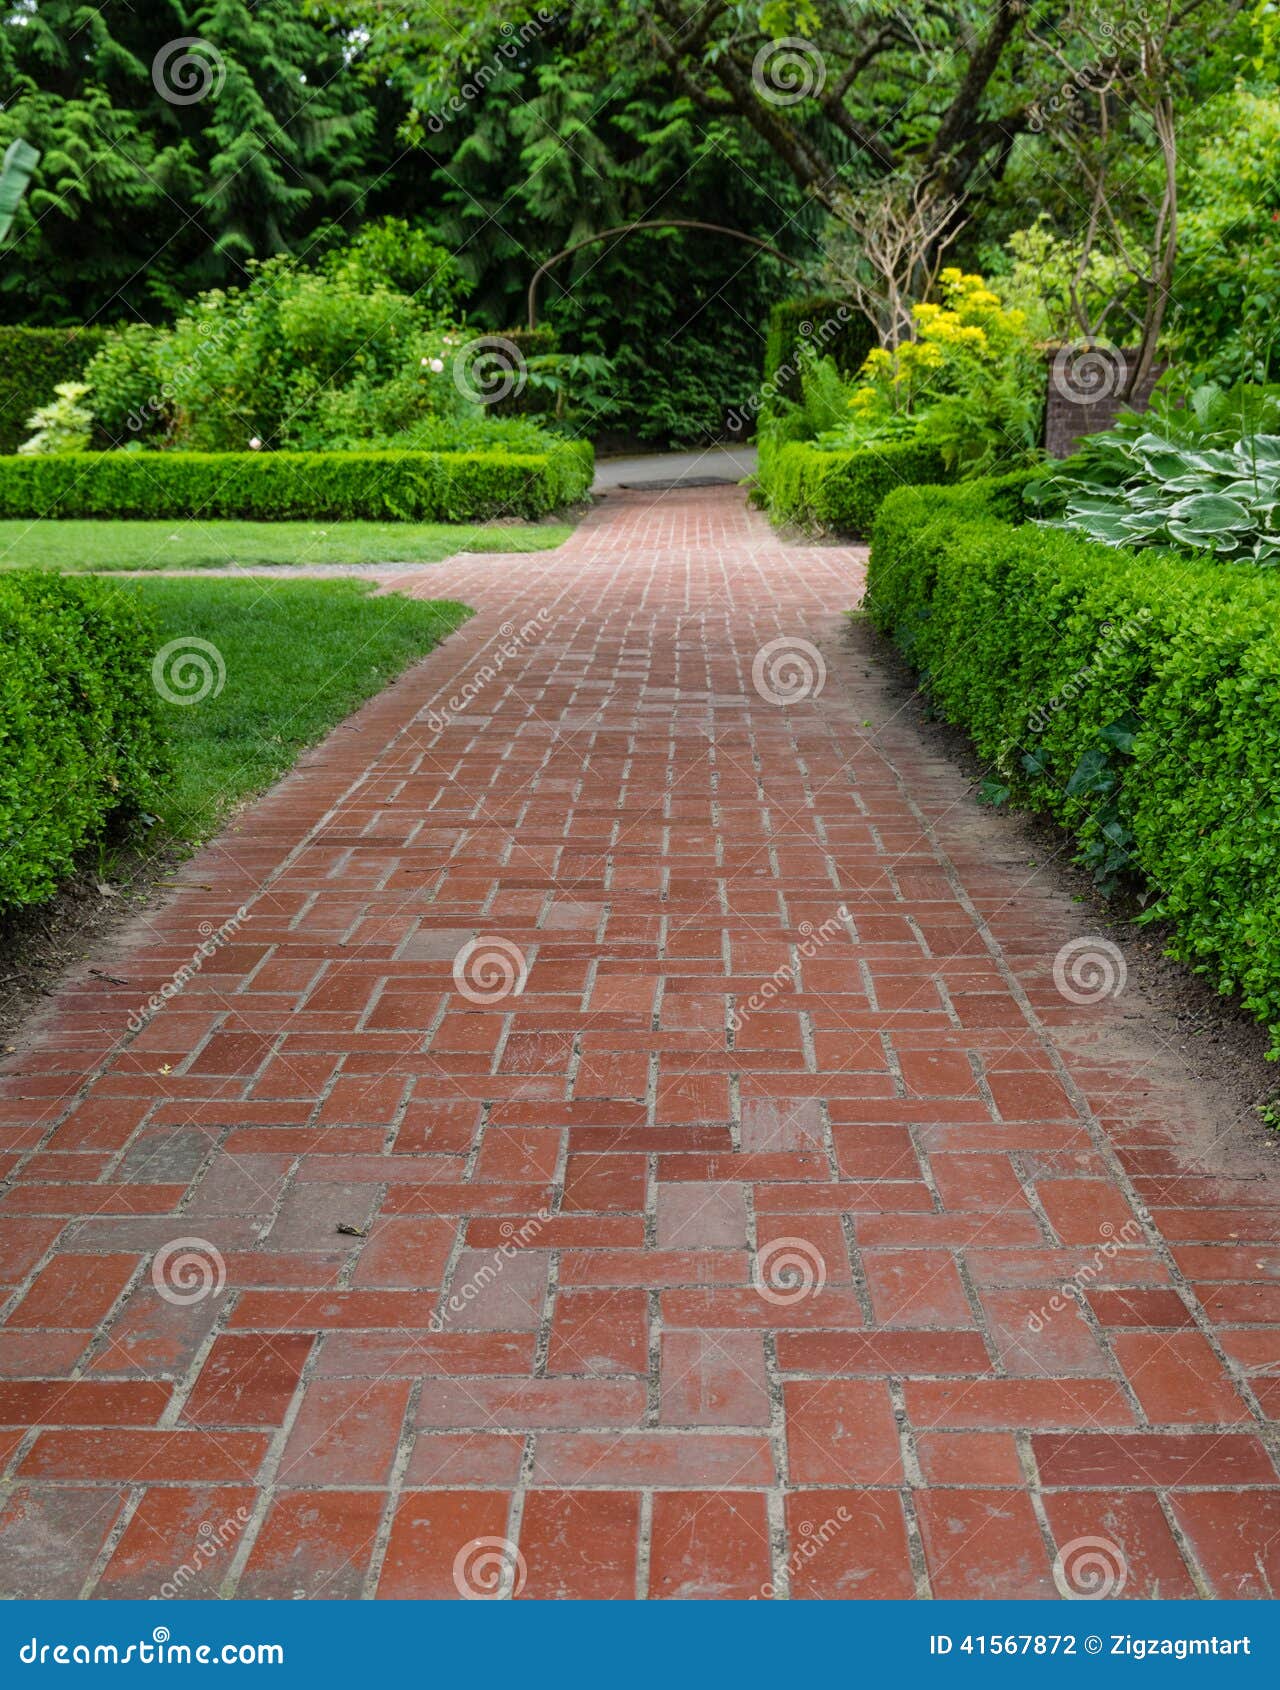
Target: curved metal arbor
630 228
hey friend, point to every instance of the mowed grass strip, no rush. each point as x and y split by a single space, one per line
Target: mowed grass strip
295 658
112 545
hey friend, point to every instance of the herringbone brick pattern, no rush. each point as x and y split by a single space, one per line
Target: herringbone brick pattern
631 1143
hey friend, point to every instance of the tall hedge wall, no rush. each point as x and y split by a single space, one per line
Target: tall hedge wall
828 324
32 363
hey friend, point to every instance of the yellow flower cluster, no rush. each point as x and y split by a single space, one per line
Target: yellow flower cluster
971 322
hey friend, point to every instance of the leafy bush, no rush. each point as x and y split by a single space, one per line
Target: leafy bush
271 361
1227 282
413 486
32 363
129 399
61 426
397 257
840 491
297 358
971 380
1136 699
79 735
1035 273
1133 486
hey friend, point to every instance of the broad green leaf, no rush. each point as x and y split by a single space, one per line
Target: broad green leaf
1211 513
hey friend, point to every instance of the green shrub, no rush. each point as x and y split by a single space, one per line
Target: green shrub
1001 496
130 398
32 363
970 379
841 491
413 486
79 734
398 256
270 361
530 401
1135 698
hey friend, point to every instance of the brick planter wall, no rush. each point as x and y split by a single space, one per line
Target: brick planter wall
1082 386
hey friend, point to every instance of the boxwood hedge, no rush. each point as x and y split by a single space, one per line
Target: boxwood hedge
841 491
80 738
1134 697
415 486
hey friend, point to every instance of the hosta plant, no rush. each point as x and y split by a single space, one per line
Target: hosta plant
1208 490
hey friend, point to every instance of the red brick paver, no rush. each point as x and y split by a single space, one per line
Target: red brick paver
631 1143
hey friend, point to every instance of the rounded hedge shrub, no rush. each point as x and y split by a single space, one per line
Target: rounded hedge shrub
80 736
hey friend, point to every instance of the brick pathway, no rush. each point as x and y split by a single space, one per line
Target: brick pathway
726 1256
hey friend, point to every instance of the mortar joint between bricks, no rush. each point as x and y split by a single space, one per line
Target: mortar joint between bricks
266 1480
395 1491
121 1524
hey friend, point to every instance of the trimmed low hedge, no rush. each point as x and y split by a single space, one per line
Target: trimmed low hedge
841 491
270 486
1134 697
80 739
32 363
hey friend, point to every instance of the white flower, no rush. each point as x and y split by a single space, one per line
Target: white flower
255 445
437 364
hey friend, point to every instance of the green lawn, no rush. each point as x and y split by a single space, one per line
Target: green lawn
104 544
298 657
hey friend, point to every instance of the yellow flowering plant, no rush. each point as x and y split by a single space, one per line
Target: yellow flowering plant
970 379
